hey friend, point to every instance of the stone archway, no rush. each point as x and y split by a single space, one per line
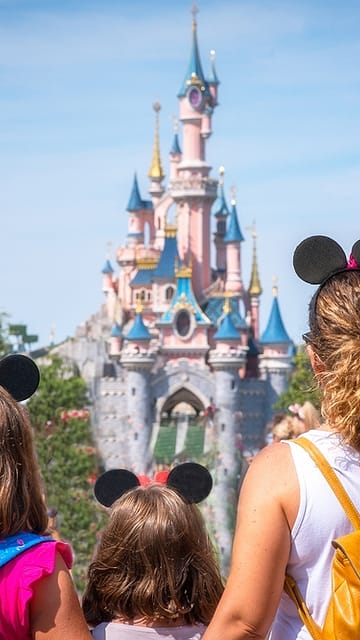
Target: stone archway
181 430
180 396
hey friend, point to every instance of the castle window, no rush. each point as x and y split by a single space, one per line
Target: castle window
169 292
149 296
222 427
133 391
135 436
232 384
183 323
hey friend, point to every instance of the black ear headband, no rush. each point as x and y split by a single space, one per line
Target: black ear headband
190 479
19 375
318 258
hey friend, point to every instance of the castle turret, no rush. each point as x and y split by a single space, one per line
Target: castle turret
226 360
140 213
175 151
221 214
232 239
192 189
276 359
107 281
212 79
137 359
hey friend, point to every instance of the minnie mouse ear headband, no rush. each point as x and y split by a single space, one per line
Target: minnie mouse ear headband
190 479
318 258
19 375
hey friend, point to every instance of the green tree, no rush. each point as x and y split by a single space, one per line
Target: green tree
303 385
67 458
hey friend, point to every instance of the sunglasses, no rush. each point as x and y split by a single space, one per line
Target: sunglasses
307 337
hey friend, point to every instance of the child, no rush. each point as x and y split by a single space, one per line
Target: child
154 574
37 597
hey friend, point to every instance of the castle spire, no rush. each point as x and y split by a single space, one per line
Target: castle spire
275 331
194 74
255 286
156 171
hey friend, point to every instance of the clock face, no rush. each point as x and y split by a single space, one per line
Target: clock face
195 97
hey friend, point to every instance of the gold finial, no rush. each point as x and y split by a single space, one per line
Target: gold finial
233 195
139 307
156 170
255 286
275 286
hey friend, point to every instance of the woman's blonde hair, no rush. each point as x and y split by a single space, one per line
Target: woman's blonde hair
334 321
22 506
154 561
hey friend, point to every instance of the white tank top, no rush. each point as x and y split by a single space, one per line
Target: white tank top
320 519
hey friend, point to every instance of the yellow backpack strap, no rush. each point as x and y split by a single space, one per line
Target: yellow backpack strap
293 591
331 477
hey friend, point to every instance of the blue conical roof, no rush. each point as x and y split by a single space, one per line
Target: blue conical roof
116 331
175 147
184 297
233 233
166 266
227 330
135 201
107 267
275 331
138 331
194 71
221 204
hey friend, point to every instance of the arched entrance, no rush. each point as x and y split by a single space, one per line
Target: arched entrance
181 432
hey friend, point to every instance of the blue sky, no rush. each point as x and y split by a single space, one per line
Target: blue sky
77 83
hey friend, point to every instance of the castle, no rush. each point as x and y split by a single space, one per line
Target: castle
175 361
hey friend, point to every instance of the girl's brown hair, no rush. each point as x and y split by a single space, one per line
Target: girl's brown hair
154 561
334 321
22 506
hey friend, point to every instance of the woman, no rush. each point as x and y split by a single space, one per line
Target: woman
154 573
287 514
37 597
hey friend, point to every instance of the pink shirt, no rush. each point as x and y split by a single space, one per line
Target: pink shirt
18 580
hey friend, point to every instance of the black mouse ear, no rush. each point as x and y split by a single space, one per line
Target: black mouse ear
191 480
355 252
19 375
317 258
112 484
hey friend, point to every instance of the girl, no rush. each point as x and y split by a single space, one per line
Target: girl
154 574
37 597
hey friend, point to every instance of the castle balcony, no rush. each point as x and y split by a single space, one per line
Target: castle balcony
194 186
231 359
137 360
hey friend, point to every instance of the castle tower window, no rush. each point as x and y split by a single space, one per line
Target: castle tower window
183 323
133 391
232 384
222 427
169 292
